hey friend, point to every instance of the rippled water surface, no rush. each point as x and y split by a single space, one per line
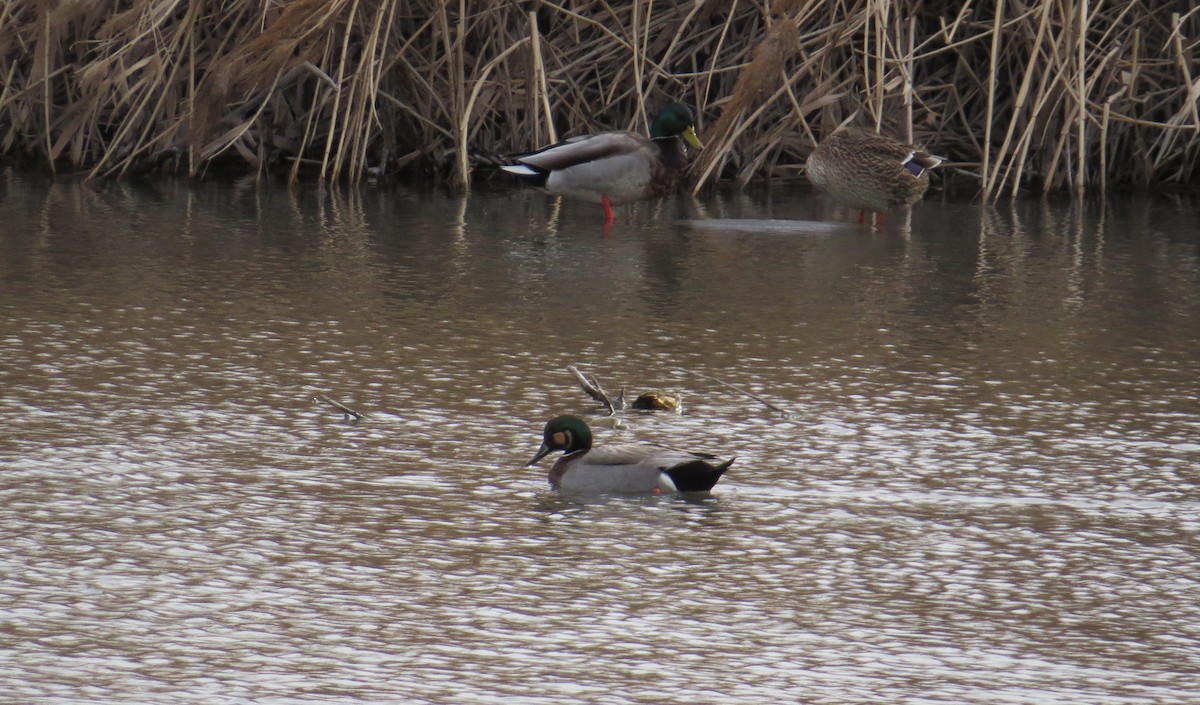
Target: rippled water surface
986 491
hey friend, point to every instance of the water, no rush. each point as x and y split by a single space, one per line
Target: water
985 492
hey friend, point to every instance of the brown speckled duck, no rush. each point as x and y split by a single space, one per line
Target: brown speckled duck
611 168
871 172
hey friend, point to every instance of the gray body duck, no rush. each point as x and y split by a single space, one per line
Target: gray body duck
632 468
611 168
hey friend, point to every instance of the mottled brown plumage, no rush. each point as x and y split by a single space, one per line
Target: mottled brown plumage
870 172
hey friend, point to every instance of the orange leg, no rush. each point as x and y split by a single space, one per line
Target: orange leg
862 217
879 219
608 211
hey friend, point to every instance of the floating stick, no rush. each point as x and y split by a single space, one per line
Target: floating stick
339 406
782 412
593 389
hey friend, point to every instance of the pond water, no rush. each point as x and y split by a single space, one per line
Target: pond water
987 489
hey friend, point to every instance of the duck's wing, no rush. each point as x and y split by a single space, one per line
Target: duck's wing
920 160
679 455
690 471
618 468
585 149
652 465
621 454
869 145
860 141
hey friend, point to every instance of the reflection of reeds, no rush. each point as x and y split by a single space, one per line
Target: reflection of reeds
1059 94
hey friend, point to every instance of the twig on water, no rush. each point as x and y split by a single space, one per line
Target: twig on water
593 389
782 412
339 406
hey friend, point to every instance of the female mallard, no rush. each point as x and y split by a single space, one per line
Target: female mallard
615 167
870 172
623 468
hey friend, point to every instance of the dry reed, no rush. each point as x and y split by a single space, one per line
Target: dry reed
1050 94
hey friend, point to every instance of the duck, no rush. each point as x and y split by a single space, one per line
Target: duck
869 171
614 168
627 468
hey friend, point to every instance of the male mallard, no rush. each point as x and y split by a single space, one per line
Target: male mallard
623 468
615 167
870 172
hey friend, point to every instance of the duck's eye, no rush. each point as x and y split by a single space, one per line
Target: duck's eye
560 439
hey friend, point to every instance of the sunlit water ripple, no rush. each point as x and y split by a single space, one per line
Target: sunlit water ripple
985 491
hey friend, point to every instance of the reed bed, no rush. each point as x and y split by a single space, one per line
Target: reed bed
1044 94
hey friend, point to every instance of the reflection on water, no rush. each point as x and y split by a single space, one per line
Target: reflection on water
986 491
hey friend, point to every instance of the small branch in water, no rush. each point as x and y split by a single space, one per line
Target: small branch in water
782 412
592 388
339 406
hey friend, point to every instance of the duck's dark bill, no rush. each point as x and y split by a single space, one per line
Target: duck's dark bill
542 452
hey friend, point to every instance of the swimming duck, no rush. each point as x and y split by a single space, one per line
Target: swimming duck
615 167
870 172
623 468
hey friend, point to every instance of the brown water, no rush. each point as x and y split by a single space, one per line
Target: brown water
987 491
